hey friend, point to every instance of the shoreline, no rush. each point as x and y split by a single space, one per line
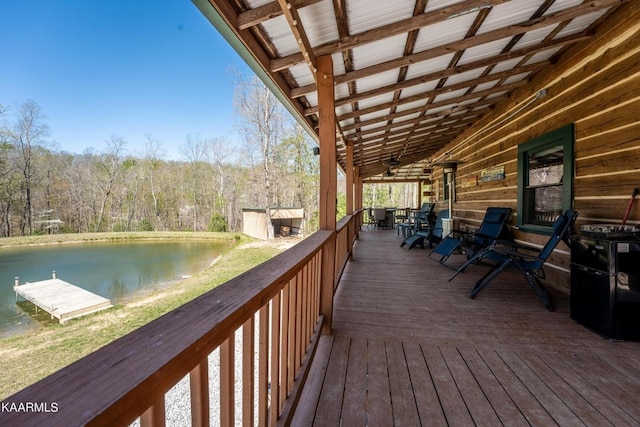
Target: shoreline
71 238
26 319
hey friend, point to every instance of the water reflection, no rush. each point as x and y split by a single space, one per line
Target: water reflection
117 271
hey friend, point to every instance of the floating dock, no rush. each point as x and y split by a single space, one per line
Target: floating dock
61 299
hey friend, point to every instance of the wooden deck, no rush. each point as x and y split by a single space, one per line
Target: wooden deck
410 348
61 299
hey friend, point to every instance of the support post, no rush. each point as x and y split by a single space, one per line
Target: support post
358 195
350 197
349 178
328 182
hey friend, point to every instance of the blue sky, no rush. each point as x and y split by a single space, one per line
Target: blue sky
118 67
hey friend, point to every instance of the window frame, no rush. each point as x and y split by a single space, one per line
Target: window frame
565 137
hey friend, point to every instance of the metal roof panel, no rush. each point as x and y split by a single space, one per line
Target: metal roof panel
443 32
365 15
508 13
581 23
426 67
383 50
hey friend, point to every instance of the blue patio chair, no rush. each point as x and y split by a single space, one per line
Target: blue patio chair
527 260
493 226
432 233
419 220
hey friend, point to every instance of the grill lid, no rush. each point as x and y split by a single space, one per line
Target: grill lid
610 231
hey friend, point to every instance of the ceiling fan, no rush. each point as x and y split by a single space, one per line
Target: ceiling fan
389 172
391 162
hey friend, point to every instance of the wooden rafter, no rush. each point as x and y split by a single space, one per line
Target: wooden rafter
295 23
290 12
254 17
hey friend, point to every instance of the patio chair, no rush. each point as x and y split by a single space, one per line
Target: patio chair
527 260
371 221
402 216
426 217
493 226
431 233
380 217
418 220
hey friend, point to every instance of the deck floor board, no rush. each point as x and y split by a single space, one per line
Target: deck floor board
408 347
355 403
379 409
425 395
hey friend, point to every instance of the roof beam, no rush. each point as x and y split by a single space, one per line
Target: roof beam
293 18
263 13
295 23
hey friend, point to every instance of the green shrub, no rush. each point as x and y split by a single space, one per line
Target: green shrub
217 223
145 225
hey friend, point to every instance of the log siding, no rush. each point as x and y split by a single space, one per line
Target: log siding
597 88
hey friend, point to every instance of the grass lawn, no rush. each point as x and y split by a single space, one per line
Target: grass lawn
31 357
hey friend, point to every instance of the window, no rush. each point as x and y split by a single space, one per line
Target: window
545 176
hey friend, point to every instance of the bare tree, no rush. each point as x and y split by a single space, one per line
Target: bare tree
9 188
28 131
109 169
262 126
153 162
194 150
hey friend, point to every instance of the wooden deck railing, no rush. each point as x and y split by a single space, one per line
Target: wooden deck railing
347 232
246 344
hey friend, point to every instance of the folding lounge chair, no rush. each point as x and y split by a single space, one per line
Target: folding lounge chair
527 260
493 226
431 233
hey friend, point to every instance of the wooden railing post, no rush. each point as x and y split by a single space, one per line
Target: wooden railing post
327 279
248 374
328 182
199 385
227 382
155 415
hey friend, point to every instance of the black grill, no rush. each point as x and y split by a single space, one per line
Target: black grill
605 285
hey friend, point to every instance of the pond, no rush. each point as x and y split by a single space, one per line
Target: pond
115 270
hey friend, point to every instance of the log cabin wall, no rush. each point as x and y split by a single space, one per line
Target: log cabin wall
596 86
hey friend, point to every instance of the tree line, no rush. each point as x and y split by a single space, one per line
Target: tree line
44 190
